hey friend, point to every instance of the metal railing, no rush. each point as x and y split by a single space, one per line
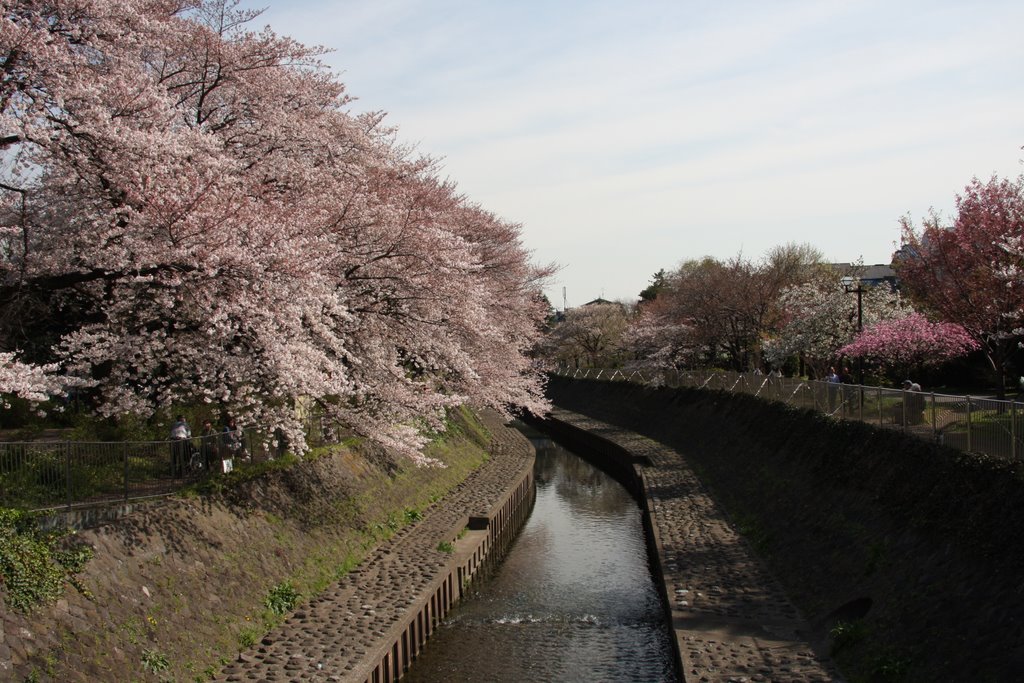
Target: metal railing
42 475
972 424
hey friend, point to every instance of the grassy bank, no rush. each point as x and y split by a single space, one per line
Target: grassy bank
181 586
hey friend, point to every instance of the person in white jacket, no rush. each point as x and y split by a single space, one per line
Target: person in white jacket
180 435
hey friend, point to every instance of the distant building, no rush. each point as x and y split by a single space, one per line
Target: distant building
869 275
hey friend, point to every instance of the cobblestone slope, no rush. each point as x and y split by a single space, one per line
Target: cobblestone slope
331 638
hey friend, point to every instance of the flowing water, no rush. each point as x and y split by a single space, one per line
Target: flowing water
573 600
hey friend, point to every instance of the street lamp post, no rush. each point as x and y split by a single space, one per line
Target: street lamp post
853 285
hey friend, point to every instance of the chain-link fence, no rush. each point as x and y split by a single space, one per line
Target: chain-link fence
39 475
977 425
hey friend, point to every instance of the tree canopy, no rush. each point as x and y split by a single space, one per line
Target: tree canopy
910 343
961 272
190 212
714 312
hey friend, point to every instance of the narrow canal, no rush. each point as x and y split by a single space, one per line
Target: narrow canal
573 600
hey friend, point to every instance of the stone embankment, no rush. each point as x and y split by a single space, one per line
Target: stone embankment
903 555
731 619
372 624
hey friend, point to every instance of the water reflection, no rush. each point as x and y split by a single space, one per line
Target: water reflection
573 600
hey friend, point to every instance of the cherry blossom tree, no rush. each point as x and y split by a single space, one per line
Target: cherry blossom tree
910 343
718 312
657 343
821 318
191 213
963 272
590 336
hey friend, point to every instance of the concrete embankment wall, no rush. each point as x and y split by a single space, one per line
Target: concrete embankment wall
904 556
479 541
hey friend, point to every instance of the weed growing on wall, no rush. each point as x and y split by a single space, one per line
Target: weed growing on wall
35 564
282 598
155 662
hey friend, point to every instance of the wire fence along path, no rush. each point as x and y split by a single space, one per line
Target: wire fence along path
44 475
976 425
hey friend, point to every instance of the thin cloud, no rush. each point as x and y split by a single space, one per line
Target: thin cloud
685 129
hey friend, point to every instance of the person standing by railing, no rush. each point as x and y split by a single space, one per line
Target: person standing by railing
180 435
208 447
833 388
231 439
913 402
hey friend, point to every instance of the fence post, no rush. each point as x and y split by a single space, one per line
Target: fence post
968 424
935 424
1013 430
903 395
878 402
125 471
67 471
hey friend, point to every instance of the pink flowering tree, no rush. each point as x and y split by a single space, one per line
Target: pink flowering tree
821 318
965 271
658 344
909 344
189 212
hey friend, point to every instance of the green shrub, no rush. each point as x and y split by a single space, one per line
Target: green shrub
845 633
247 637
33 565
282 598
890 668
155 662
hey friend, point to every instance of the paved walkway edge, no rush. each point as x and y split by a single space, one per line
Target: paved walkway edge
731 621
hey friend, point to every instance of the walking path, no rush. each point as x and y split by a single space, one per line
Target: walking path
732 621
331 638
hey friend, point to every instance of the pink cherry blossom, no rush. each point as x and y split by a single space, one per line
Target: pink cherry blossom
911 342
190 213
964 271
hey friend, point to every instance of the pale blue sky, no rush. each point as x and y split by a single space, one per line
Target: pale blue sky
627 137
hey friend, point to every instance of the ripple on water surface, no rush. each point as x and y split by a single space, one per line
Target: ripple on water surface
573 600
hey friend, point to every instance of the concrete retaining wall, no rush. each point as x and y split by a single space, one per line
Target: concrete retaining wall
919 545
478 541
729 619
